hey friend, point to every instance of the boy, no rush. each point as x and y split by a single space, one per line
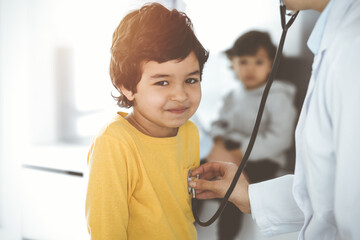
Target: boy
138 164
251 59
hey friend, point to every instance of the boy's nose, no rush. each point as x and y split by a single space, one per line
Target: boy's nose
179 94
251 68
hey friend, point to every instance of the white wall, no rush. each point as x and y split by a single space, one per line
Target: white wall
14 112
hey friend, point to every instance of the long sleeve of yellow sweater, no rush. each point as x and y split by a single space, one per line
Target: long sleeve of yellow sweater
137 184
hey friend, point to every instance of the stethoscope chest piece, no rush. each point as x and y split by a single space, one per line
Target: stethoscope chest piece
191 190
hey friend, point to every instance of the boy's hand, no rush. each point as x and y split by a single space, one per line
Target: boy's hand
238 155
221 174
220 153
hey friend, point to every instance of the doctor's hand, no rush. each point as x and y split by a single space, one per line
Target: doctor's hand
215 180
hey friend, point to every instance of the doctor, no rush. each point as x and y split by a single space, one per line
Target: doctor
322 198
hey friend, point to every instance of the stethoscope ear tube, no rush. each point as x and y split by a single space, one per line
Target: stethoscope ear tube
285 27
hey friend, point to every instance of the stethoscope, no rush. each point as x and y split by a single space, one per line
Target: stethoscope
285 26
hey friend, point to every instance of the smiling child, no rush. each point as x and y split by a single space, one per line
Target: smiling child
138 163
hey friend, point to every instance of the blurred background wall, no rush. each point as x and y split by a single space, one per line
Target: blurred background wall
55 95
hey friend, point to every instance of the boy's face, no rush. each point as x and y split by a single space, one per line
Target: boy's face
168 94
252 70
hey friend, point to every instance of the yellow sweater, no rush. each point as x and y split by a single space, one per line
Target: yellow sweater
137 186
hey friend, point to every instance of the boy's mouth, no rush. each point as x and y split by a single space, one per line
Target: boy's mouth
177 110
249 78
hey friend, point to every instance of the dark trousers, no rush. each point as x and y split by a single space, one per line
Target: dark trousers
229 222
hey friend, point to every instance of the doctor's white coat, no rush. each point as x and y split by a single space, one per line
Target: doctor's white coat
322 198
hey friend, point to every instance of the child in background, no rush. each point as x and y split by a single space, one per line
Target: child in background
251 59
138 163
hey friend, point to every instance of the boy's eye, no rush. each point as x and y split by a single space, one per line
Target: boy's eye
162 83
243 62
191 80
259 62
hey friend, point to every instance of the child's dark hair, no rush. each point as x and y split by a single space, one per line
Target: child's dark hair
152 33
250 42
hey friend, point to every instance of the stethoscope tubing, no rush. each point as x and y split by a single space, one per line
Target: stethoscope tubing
224 201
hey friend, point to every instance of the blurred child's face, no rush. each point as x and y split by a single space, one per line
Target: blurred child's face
252 70
168 94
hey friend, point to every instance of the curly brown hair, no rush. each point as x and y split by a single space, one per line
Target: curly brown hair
152 33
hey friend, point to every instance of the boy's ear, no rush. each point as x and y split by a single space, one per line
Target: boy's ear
128 94
232 63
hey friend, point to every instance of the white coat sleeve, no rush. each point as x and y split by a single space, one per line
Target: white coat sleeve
273 206
344 109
